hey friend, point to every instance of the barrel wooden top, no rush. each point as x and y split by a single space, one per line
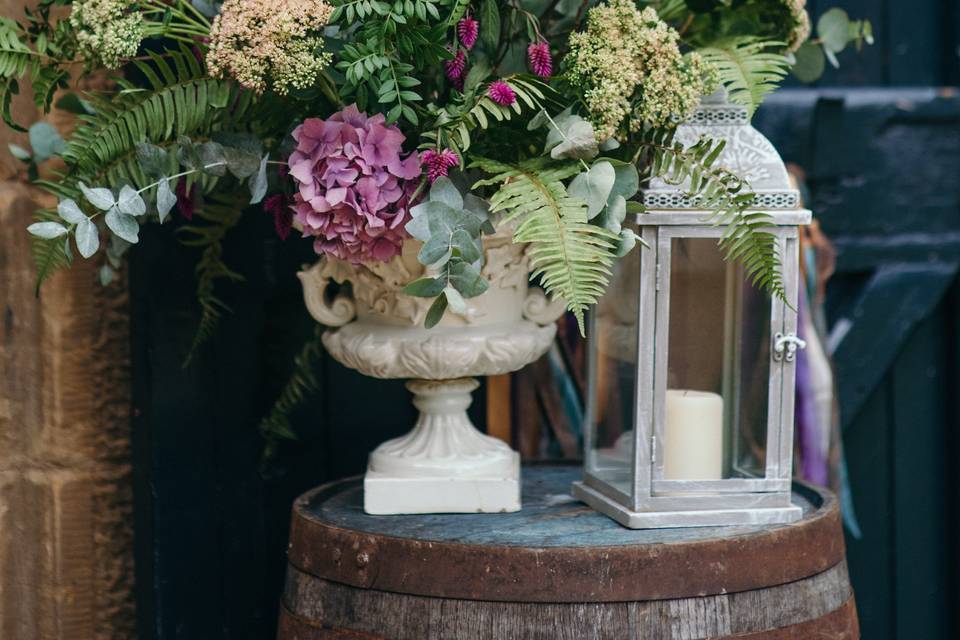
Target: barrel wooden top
555 549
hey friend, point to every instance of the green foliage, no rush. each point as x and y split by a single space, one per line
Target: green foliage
450 227
571 256
220 216
748 68
835 31
393 41
49 254
302 382
746 237
473 110
180 101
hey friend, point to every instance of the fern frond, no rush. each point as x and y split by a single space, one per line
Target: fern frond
571 256
302 382
181 101
748 68
221 216
746 237
15 57
49 255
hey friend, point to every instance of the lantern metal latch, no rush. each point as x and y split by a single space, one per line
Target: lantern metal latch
785 346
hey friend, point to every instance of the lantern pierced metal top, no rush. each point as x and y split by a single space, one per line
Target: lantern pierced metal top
748 153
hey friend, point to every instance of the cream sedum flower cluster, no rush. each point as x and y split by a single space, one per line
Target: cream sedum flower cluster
269 42
629 66
107 31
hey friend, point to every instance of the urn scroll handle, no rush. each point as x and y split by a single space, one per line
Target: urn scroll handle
331 311
539 308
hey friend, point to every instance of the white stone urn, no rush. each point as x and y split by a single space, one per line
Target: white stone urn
444 465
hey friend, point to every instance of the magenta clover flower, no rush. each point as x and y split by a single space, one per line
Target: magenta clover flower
467 31
541 62
501 93
455 67
353 185
438 163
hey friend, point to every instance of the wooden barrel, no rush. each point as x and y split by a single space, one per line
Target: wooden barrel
557 570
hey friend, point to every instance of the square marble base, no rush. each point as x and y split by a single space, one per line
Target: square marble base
391 495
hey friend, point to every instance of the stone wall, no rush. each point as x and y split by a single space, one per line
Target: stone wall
66 536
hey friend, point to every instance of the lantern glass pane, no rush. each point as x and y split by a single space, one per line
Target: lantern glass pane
614 341
714 412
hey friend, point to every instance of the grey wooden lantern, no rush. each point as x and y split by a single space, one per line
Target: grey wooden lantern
691 369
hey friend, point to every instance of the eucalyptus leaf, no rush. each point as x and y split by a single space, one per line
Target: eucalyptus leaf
106 275
435 312
577 140
130 202
613 216
425 287
468 248
45 141
47 230
628 240
833 27
188 154
538 121
19 152
609 144
258 183
88 238
99 197
241 162
165 199
213 159
443 190
122 224
594 186
626 182
419 224
455 300
810 62
152 159
70 211
467 279
435 252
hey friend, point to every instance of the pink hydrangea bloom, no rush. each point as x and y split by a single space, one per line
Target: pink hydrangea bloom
467 31
353 185
501 93
541 62
438 163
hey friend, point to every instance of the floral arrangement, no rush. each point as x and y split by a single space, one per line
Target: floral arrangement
340 116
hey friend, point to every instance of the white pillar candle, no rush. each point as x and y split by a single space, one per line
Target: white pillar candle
694 436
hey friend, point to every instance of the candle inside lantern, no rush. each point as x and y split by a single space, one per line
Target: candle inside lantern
694 435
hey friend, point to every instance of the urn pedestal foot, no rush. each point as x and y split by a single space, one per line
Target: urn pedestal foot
444 465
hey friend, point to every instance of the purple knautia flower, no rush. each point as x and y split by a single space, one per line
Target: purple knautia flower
455 67
501 93
353 185
438 163
467 31
541 62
